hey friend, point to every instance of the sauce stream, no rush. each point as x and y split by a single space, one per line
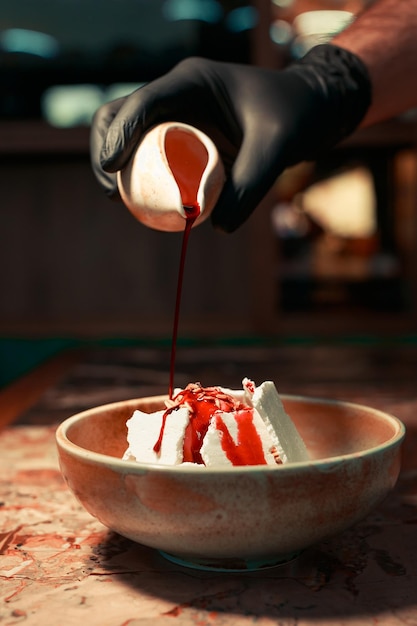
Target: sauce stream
192 212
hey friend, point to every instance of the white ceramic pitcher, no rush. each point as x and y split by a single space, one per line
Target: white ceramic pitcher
175 165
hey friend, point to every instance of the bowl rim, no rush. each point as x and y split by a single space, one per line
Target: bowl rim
324 464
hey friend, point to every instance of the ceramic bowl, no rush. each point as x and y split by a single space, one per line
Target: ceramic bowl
239 518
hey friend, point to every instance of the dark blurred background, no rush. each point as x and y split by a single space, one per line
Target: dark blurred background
108 43
331 251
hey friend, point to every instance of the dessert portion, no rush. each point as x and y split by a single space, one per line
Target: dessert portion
217 427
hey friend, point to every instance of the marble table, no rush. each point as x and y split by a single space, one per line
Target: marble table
60 566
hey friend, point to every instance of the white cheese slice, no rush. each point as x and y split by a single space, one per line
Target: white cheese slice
143 433
282 430
212 451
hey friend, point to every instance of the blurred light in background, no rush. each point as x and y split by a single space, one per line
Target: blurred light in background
316 27
241 19
281 32
344 204
70 105
29 42
209 11
66 106
283 4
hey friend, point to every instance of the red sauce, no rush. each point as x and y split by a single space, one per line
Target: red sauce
205 403
192 213
187 157
248 448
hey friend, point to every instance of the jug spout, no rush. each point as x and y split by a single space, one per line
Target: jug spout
175 169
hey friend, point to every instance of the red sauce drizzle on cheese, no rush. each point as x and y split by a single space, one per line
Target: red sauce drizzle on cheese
204 403
248 448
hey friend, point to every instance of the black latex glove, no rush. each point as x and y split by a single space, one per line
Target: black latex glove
261 120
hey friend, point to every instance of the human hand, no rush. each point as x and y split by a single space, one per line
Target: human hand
261 120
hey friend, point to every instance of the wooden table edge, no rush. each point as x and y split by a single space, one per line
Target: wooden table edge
23 393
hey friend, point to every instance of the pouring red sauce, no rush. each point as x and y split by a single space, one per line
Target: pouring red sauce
192 213
188 159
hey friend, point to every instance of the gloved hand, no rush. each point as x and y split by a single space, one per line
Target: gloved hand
261 120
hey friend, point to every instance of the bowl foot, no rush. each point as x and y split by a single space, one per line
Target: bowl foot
231 564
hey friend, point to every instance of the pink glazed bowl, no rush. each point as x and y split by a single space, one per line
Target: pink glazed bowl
240 518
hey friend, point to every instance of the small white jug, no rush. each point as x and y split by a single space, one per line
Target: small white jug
174 166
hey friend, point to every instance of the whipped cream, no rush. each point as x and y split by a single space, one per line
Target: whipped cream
214 426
